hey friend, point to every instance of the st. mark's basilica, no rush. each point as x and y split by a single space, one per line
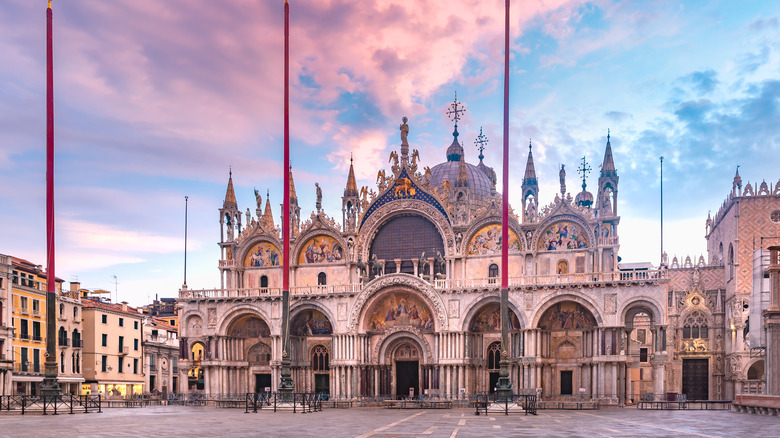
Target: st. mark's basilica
400 294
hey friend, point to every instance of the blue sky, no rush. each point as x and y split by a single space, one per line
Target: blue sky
156 100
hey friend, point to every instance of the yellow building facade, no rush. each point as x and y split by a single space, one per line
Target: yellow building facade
113 352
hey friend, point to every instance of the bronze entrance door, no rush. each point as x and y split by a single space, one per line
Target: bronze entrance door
262 381
407 377
567 388
322 384
695 379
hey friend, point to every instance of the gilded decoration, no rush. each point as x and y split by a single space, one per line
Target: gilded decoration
249 326
261 255
321 249
403 187
567 315
488 319
310 323
399 309
487 241
562 235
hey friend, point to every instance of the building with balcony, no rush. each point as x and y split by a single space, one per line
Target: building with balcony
161 356
403 295
113 349
28 301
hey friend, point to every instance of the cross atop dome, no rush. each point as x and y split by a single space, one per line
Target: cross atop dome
583 170
480 143
455 112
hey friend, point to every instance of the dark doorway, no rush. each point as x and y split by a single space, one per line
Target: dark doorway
152 383
322 384
493 382
695 382
262 381
407 376
566 383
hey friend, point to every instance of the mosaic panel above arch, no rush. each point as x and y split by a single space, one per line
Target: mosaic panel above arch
321 249
249 326
399 309
311 322
487 241
567 315
261 255
562 235
488 319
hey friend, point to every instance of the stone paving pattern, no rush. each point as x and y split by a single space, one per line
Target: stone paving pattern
172 421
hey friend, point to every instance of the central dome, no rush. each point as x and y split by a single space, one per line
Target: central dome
480 185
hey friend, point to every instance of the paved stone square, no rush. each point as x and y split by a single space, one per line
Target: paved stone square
171 421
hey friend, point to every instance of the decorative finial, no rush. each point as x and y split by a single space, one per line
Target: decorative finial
267 193
350 158
480 142
231 171
583 170
455 111
49 4
607 135
530 146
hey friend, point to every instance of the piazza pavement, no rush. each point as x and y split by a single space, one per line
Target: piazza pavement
174 421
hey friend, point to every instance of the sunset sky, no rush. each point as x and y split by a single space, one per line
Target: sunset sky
155 100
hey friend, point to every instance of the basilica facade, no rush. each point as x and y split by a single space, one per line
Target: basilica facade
401 296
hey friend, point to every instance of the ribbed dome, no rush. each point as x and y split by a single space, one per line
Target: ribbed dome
584 198
479 183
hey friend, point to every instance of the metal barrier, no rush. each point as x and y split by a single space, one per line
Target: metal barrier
55 405
526 401
296 401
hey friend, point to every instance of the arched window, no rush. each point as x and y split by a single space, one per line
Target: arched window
720 253
62 309
322 279
731 261
406 238
62 361
75 312
492 273
695 326
76 338
319 359
73 362
494 356
62 337
563 267
263 282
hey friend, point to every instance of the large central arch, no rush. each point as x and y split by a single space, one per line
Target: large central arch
401 283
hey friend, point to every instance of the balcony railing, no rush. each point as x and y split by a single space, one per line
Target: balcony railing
445 284
205 294
551 280
63 342
162 340
77 343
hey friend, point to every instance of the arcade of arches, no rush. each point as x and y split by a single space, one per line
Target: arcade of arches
401 296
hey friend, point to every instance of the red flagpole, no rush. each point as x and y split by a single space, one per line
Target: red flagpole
505 189
50 279
286 214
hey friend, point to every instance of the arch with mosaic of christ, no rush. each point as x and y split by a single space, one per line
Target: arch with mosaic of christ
395 309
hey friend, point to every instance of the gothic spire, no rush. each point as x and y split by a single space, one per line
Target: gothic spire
293 196
351 189
608 167
230 196
268 217
530 170
463 179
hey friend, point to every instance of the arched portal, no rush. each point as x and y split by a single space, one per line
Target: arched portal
567 336
248 339
484 342
195 379
310 364
405 356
